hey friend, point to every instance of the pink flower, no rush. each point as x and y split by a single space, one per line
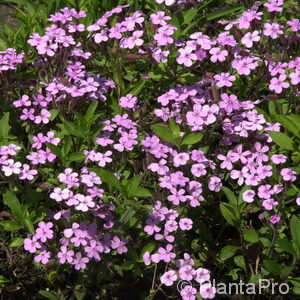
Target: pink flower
133 41
248 196
181 159
163 35
274 219
186 272
295 24
90 85
244 65
147 258
217 54
198 170
84 202
269 204
65 255
51 139
188 292
186 224
59 194
274 5
288 174
295 77
201 275
44 48
27 114
214 183
186 56
278 159
44 231
229 102
119 245
224 79
227 161
11 167
207 291
26 173
32 245
103 158
80 262
43 257
167 2
24 101
265 191
160 55
202 40
159 18
129 101
250 37
277 84
272 30
168 278
43 117
177 196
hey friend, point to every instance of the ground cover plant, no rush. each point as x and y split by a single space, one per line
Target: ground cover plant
148 148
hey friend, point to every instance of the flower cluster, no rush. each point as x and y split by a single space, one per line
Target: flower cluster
80 243
212 134
120 127
9 59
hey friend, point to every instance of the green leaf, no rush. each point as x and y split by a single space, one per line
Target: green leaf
192 138
11 225
224 12
13 203
142 192
251 236
148 247
79 295
272 266
282 140
295 232
16 242
54 113
49 295
4 125
109 178
28 224
128 265
189 15
240 262
67 146
132 185
136 88
164 133
295 281
230 195
227 252
127 215
175 128
296 290
285 245
3 279
255 278
74 130
91 110
76 156
229 214
290 122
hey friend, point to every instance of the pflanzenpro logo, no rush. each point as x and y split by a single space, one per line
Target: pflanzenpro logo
209 289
